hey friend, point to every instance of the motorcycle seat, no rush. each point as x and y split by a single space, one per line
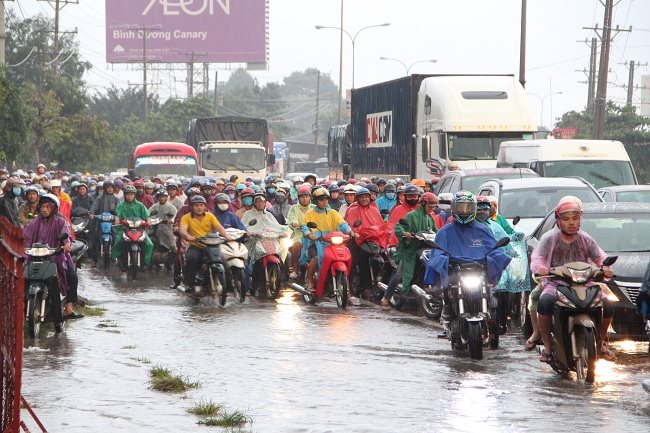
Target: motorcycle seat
77 246
371 248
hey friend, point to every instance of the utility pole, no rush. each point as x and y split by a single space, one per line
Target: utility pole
600 102
632 65
522 46
57 5
144 74
3 33
591 80
317 109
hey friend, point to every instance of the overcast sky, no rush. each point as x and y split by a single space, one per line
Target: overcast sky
464 36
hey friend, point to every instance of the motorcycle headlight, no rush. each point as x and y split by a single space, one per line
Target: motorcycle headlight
336 240
579 275
287 243
471 282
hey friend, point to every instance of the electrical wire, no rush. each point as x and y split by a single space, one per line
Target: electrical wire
24 60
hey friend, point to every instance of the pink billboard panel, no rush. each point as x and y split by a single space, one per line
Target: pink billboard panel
180 31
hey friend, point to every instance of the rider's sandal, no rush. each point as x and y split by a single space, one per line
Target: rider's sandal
607 354
545 357
530 345
384 306
72 316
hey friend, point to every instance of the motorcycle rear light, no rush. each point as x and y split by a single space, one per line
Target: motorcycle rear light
337 240
579 275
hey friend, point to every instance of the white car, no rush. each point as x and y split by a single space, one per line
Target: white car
532 199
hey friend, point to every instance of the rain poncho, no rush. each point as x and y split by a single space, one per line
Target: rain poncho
296 215
406 253
266 234
515 278
46 231
228 219
552 251
164 232
465 243
372 228
327 220
384 202
126 210
396 214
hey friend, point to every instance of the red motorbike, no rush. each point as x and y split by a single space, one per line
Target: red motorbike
335 269
133 245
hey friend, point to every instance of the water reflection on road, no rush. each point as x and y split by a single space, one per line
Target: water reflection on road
297 368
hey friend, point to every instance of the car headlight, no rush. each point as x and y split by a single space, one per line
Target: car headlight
336 240
471 282
580 275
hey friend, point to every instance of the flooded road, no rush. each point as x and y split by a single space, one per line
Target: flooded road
297 368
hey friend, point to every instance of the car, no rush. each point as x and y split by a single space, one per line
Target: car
532 199
634 193
470 179
623 230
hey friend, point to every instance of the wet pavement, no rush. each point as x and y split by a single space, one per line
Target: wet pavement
297 368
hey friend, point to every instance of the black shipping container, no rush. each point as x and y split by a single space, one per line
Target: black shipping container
228 128
392 109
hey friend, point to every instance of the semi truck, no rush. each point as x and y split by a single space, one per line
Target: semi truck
231 145
416 126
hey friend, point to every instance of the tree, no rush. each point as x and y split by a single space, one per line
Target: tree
14 120
117 105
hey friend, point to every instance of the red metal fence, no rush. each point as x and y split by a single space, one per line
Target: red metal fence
12 297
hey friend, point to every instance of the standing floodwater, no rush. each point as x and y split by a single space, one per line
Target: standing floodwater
297 368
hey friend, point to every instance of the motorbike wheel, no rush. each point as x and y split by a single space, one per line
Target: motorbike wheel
432 309
106 254
34 314
133 265
586 356
341 290
475 341
273 284
218 286
238 284
524 315
494 334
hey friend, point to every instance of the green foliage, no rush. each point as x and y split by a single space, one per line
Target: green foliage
205 408
14 120
118 105
235 418
165 380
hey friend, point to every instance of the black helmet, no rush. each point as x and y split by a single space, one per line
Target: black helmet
373 188
381 181
334 187
411 189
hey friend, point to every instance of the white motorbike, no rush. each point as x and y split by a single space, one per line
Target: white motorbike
235 256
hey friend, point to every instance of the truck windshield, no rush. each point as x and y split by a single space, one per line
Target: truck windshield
598 173
225 159
480 145
154 165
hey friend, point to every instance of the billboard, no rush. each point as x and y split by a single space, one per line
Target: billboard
181 31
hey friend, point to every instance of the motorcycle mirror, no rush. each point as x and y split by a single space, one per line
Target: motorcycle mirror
357 223
252 222
609 261
312 225
502 242
516 220
62 236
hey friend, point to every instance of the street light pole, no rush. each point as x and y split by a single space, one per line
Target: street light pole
541 105
341 65
407 69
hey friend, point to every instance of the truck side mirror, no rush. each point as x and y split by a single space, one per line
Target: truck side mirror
426 146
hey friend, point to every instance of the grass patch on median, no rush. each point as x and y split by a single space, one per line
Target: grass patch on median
90 311
232 419
205 408
166 380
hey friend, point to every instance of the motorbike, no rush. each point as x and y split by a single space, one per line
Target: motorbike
378 262
133 239
210 280
427 295
268 263
235 257
162 253
576 317
106 221
80 222
333 277
43 302
471 323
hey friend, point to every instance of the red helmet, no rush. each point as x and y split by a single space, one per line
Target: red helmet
247 192
138 183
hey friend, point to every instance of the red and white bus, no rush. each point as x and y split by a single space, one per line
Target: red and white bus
164 160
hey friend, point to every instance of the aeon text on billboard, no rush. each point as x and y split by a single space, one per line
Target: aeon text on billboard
379 131
188 7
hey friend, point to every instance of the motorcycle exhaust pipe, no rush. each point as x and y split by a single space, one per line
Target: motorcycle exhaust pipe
382 286
421 292
298 288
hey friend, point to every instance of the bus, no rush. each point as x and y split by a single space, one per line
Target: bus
164 160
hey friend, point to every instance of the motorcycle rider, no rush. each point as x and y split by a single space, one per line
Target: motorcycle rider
381 184
46 228
82 200
350 195
131 208
280 208
10 200
422 219
105 202
327 221
465 240
187 207
193 225
29 209
175 199
271 190
564 244
207 191
389 199
334 201
246 201
297 183
225 217
167 212
234 194
411 201
498 218
295 221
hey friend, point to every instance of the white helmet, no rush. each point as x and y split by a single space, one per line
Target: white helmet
298 179
50 197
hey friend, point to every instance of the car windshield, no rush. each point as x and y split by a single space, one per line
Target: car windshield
619 232
538 202
471 183
599 173
634 196
479 145
225 159
154 165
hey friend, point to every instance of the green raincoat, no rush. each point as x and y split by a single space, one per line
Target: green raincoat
407 248
135 209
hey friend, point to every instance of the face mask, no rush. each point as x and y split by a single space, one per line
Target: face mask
223 206
412 201
93 188
248 201
390 195
271 190
17 191
231 196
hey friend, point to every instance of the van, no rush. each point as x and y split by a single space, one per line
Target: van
600 162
